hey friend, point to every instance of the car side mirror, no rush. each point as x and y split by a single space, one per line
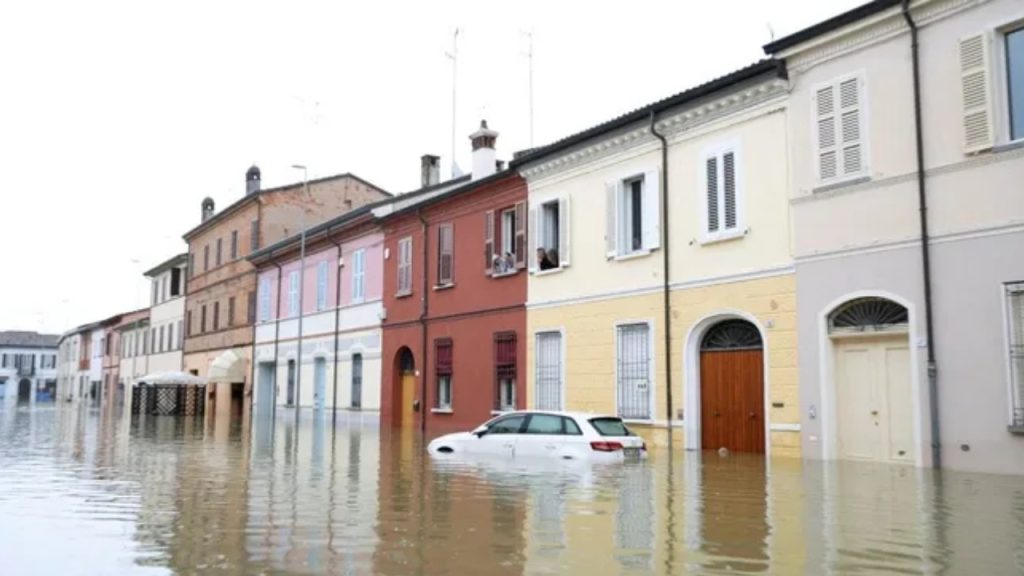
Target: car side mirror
479 432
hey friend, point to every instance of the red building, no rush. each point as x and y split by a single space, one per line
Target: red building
454 299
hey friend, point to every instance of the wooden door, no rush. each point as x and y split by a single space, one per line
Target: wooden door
408 390
732 400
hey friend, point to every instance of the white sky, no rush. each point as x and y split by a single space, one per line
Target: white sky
117 118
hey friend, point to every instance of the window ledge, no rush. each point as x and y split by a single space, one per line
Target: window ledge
723 237
438 287
840 183
403 294
1007 146
441 411
548 272
644 421
504 274
632 255
1016 430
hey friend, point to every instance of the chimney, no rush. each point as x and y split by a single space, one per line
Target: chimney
430 170
252 180
207 208
484 156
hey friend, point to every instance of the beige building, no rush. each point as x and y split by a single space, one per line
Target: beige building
859 245
220 307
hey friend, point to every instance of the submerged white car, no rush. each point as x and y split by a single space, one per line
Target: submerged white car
532 433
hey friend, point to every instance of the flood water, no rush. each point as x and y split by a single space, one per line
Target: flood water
84 492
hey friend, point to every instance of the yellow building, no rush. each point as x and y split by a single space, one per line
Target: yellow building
617 254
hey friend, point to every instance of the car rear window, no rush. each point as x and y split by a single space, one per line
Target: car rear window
610 427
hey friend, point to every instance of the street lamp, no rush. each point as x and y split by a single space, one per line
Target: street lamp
302 286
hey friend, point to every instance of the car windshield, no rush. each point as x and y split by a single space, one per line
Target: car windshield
610 427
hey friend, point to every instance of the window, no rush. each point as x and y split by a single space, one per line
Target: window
206 258
290 399
508 233
216 315
633 371
549 371
264 299
633 216
181 334
505 240
505 371
189 326
175 282
445 255
170 337
234 244
191 264
839 130
231 311
202 320
357 380
1015 310
443 361
251 308
721 209
160 341
358 275
1015 81
254 236
507 425
405 266
293 293
321 285
220 251
106 346
549 235
545 424
154 297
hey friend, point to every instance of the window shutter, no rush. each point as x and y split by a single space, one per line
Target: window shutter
851 126
611 210
531 234
729 189
711 193
444 260
975 88
651 216
520 243
825 120
489 241
254 236
564 234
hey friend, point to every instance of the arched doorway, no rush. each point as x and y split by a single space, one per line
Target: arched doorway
732 387
871 380
403 388
24 391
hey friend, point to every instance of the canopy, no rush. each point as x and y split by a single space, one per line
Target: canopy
171 377
227 368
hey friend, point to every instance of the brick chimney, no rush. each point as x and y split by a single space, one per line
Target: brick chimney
430 170
484 156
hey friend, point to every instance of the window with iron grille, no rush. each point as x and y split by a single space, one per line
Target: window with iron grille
1015 310
548 371
633 371
443 357
505 371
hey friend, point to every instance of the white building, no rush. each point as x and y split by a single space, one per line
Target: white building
28 367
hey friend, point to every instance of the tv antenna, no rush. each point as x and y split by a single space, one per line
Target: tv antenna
529 59
453 56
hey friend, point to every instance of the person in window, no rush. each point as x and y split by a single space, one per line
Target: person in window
509 262
499 265
553 257
543 262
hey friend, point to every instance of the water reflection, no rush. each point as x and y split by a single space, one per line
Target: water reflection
85 492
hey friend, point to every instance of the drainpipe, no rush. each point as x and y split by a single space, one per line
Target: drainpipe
666 304
277 336
337 324
423 322
922 202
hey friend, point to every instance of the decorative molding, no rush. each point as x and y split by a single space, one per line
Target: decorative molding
684 119
903 244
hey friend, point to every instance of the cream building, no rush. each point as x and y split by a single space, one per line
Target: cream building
597 306
864 334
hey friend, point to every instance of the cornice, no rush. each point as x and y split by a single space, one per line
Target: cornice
870 31
680 121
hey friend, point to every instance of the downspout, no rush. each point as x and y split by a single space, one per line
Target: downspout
337 325
922 202
666 303
277 336
424 310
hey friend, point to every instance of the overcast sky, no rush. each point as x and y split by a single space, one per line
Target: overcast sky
117 118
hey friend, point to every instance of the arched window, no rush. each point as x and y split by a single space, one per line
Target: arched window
869 314
732 335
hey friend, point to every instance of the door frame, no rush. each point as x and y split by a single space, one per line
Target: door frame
826 372
691 376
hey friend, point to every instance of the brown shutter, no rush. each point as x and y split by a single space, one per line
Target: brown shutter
520 243
489 242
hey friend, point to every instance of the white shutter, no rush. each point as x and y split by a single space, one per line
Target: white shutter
532 229
563 231
651 217
611 223
851 119
976 90
825 129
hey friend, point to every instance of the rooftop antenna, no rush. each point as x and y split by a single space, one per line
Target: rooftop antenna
529 59
453 56
771 31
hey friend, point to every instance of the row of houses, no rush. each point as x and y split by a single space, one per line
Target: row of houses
817 255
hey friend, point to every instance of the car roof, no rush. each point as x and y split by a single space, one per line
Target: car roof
580 415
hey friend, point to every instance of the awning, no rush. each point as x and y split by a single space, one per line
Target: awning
171 377
226 369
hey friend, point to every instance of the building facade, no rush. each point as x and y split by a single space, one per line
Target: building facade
860 247
453 292
28 367
72 364
220 307
707 259
134 353
167 314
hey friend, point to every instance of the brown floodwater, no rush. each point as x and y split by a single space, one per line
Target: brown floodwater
85 492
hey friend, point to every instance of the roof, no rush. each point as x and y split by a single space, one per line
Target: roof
25 339
170 263
234 207
755 70
833 23
468 186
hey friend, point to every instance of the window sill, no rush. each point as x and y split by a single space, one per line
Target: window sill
723 237
1016 430
504 274
631 256
440 287
403 294
1007 146
548 272
838 183
441 411
642 421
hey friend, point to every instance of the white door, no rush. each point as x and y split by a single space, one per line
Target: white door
873 402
